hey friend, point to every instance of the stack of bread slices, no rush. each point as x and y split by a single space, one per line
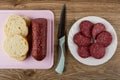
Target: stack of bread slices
16 31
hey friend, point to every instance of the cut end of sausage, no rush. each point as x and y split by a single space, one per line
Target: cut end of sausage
38 57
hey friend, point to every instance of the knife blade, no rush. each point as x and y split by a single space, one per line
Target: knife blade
61 36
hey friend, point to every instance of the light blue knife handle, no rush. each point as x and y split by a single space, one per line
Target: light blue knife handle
60 67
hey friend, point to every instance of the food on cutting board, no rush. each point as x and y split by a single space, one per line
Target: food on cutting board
16 44
92 39
27 19
39 38
16 30
16 47
16 25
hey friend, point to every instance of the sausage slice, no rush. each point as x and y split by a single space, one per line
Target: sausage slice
83 52
81 40
97 51
104 38
86 28
97 28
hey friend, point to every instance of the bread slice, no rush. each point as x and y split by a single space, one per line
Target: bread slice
21 58
16 25
16 47
27 20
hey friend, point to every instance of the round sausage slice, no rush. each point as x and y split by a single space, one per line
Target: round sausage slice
97 51
86 28
81 40
97 28
104 38
83 52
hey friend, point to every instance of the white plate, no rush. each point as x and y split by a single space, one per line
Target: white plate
110 50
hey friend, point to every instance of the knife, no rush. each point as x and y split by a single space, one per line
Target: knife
61 36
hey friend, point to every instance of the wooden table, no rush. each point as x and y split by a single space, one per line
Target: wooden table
108 9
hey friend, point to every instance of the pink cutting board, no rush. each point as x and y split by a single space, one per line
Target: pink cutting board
8 63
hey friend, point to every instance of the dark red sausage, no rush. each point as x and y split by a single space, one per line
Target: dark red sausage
86 28
81 40
104 38
39 38
83 52
97 51
97 28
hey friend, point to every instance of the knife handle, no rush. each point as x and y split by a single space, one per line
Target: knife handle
60 67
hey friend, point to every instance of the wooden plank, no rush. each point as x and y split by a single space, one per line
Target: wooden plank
76 9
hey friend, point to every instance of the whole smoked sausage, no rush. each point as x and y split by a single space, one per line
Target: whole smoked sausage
39 38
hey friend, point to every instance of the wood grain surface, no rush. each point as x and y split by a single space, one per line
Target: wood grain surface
76 9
